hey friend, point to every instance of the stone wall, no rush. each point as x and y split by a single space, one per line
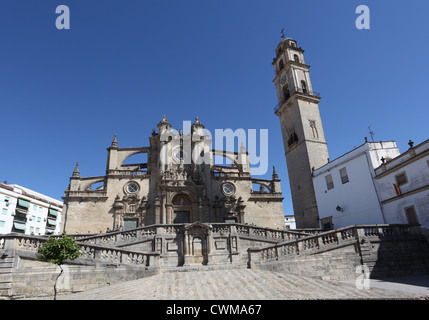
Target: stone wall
32 278
22 275
386 250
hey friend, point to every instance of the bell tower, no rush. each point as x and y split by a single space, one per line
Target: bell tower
302 130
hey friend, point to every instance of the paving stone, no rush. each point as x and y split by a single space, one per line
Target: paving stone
230 284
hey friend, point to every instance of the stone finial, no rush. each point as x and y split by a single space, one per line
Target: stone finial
275 176
114 142
197 124
242 148
76 173
163 124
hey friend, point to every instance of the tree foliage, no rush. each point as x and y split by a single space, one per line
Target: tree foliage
57 250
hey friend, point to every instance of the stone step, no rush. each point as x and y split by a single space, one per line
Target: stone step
204 267
233 284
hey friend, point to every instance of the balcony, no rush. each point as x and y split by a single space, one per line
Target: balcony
301 91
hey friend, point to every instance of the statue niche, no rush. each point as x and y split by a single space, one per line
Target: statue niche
130 212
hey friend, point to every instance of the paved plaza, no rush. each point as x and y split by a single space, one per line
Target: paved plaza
239 284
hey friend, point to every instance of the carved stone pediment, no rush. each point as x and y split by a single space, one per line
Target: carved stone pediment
198 225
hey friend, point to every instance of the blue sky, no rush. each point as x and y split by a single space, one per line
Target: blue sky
65 93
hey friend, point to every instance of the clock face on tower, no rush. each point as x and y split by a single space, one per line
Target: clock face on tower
283 80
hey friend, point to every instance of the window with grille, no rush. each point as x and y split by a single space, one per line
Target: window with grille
329 182
401 178
344 175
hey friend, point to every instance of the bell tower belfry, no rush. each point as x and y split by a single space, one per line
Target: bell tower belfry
301 125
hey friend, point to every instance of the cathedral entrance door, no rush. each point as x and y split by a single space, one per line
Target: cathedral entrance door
182 217
131 223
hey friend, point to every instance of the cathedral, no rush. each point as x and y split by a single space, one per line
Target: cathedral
179 183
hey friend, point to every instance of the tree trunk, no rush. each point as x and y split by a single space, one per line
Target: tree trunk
56 280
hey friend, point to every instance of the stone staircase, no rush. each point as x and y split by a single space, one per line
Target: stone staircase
233 284
127 255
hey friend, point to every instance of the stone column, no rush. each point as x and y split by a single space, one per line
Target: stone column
163 211
209 240
169 209
186 248
157 211
240 208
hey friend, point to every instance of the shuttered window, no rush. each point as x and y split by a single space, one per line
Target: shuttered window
329 182
344 175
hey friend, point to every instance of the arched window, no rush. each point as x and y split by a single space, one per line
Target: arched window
296 58
181 199
286 92
281 65
303 86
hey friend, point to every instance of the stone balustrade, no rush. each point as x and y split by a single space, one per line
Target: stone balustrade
266 233
328 240
242 230
90 253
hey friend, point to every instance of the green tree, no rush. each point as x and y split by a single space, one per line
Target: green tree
56 251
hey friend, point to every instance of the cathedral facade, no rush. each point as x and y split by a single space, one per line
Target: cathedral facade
179 183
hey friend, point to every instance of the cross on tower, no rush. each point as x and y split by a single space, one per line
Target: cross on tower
371 133
283 33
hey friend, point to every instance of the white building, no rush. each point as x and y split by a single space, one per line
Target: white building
403 187
290 222
346 192
25 211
